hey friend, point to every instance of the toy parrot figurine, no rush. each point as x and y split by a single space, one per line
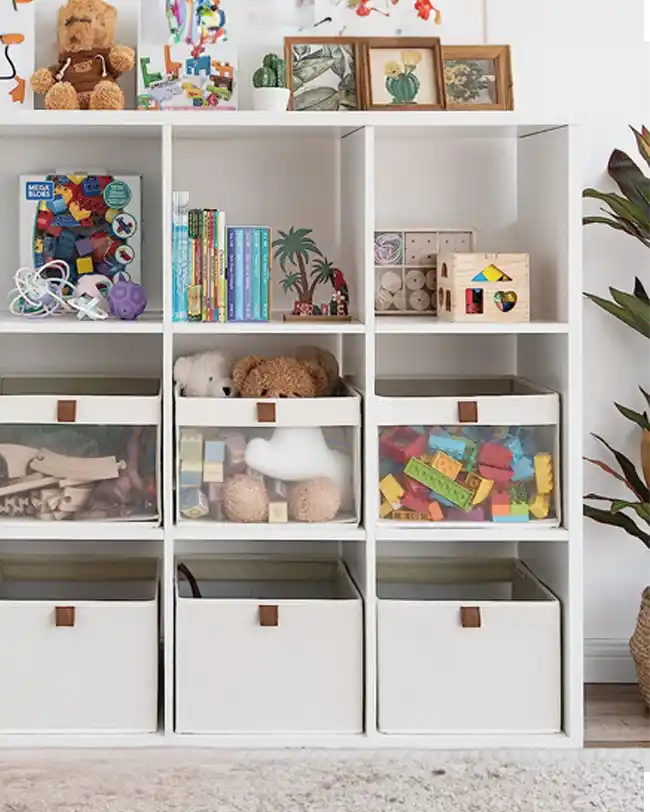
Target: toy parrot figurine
341 291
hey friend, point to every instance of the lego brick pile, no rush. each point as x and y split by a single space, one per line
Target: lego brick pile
466 473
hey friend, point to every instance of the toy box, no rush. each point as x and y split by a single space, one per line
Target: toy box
185 58
16 54
90 221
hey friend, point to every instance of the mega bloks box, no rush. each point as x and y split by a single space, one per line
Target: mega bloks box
90 221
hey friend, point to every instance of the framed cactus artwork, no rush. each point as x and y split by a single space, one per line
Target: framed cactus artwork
323 73
403 73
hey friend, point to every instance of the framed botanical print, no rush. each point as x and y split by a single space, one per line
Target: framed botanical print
403 74
478 77
323 73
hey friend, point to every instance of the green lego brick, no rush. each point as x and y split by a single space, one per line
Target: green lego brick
435 481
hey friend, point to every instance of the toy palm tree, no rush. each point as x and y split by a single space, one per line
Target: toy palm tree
296 248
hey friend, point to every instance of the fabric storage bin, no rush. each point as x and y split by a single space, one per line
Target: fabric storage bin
79 448
258 461
467 646
466 451
270 646
80 645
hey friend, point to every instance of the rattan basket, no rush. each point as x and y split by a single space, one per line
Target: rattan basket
640 647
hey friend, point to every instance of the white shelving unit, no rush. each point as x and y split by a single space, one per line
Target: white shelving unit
515 181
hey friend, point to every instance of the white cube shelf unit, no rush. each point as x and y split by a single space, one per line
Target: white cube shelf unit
515 182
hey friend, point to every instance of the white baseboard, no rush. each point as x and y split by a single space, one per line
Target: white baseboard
608 660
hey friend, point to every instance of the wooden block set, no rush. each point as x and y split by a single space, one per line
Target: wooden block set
466 474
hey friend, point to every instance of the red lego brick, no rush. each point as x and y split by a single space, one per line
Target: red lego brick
413 502
400 443
499 475
495 455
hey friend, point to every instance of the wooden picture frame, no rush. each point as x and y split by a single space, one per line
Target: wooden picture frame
499 91
351 45
404 88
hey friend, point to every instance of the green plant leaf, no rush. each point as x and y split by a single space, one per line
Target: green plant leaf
618 505
643 143
635 417
289 282
630 210
616 520
317 98
310 69
639 309
646 395
614 310
339 61
631 181
640 291
629 471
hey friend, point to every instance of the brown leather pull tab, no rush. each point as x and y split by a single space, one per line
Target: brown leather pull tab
467 411
266 412
66 411
64 616
470 617
269 616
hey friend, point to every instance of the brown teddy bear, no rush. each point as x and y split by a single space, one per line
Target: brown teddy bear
89 61
309 374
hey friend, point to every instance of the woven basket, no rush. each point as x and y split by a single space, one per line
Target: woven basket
640 647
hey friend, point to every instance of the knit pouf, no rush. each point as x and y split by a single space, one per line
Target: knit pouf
640 647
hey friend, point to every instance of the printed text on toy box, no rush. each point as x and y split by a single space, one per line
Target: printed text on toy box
41 190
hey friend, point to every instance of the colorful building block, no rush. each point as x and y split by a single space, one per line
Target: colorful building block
435 512
544 473
191 447
388 466
190 476
499 503
193 503
499 475
453 446
476 514
391 490
44 220
510 518
479 486
385 509
413 502
539 506
213 472
409 516
520 509
440 499
523 468
495 456
215 451
78 212
84 265
57 205
446 465
278 512
459 495
64 247
400 443
91 187
513 444
84 247
518 493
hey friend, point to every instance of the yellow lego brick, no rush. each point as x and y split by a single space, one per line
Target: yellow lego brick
539 506
391 489
77 212
111 214
544 472
480 486
446 465
84 265
385 509
65 192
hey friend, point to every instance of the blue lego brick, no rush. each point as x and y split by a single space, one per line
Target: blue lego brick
57 206
523 469
91 187
387 466
214 451
453 446
441 499
65 221
190 478
511 519
514 444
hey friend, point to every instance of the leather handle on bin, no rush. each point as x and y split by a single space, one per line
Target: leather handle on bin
66 411
467 411
470 617
64 616
269 616
266 412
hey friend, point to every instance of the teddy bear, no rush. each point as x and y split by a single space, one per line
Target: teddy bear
90 62
204 375
309 373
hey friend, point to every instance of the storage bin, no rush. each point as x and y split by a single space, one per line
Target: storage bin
270 646
80 645
79 448
466 451
467 647
270 460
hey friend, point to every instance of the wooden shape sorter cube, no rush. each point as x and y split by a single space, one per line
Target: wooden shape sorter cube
483 287
405 267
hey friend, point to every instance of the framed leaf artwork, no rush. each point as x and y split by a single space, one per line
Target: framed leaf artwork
478 77
323 73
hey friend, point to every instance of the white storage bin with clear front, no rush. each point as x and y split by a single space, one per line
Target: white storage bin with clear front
467 647
80 641
468 451
74 448
269 460
268 646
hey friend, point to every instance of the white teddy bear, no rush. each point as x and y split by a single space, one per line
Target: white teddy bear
204 375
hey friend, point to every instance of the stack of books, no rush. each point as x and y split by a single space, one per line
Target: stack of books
219 274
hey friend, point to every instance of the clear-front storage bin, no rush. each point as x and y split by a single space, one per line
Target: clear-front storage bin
80 645
284 460
268 646
467 646
466 451
79 448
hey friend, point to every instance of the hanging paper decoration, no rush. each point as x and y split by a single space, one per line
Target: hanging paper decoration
192 21
363 9
424 9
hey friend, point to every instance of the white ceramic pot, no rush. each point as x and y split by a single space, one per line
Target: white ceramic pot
271 98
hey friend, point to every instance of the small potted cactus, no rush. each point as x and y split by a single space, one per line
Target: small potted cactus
269 91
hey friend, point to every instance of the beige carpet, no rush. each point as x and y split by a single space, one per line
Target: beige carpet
213 781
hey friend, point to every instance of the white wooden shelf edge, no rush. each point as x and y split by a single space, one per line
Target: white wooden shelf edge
149 323
207 531
405 325
79 531
276 326
490 534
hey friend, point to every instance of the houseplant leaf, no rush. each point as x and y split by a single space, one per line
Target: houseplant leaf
636 417
631 180
639 310
609 470
643 143
629 471
640 291
614 310
631 211
617 520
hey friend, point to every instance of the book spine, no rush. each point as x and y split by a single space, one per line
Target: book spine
183 256
230 274
194 288
248 272
175 269
214 267
239 274
205 266
222 260
265 284
256 276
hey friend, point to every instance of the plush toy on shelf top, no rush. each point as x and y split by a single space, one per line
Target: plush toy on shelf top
90 62
309 373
